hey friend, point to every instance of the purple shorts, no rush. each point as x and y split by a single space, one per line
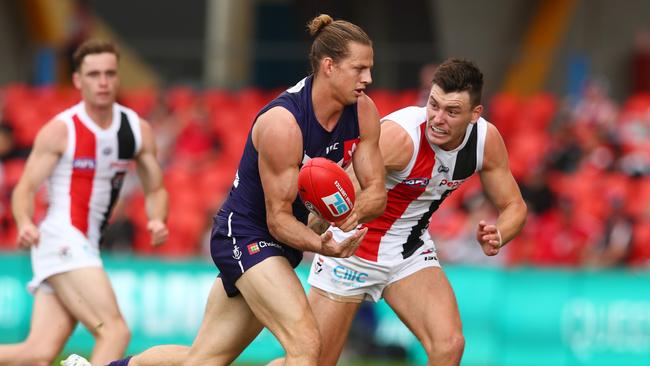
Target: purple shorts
236 246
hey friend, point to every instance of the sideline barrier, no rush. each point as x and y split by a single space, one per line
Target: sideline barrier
512 317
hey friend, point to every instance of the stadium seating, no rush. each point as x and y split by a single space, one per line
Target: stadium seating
212 125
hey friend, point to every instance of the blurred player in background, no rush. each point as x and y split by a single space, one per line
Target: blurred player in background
260 232
428 153
83 153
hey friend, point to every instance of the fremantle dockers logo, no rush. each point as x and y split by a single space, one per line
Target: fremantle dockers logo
236 253
311 208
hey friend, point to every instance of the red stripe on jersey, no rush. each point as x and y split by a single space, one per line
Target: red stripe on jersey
398 200
83 173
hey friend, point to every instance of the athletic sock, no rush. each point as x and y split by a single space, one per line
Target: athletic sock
123 362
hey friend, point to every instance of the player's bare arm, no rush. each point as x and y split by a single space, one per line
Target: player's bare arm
502 190
278 140
48 147
368 168
396 149
151 176
395 145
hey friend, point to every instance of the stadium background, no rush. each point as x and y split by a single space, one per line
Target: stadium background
567 83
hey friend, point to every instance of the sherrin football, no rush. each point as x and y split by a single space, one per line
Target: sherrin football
325 189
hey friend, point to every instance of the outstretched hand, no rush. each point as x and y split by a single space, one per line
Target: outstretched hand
344 249
489 237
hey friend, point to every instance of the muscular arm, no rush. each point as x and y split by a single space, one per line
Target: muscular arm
48 147
395 145
501 188
368 164
278 140
396 150
156 201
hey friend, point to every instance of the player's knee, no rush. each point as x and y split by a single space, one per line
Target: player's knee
450 346
114 330
39 353
304 342
40 357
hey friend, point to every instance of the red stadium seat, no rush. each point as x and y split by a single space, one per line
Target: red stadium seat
11 171
504 111
142 101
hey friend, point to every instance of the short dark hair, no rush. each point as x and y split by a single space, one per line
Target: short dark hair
91 47
331 39
458 75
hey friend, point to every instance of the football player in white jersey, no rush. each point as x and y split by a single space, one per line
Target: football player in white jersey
83 154
428 152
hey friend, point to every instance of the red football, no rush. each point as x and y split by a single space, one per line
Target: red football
326 189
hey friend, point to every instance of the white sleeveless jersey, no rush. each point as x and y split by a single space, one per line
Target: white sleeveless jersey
86 181
416 192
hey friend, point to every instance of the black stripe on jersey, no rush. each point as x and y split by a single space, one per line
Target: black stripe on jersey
413 242
116 186
125 139
466 158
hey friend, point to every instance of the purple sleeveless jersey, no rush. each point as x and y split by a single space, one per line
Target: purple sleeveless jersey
240 236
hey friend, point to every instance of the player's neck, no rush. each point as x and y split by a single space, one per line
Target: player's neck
102 116
326 107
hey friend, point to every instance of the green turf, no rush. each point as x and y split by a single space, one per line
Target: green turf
368 362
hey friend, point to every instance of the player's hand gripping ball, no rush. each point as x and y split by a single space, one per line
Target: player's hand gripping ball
326 189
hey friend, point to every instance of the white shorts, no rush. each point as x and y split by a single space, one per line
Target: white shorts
61 248
354 276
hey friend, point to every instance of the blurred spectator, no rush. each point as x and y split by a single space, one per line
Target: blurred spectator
536 192
80 26
615 244
560 236
166 129
426 78
566 152
10 168
596 108
7 148
640 70
194 142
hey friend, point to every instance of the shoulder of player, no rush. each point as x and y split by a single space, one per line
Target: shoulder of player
145 126
277 137
54 129
494 152
53 136
411 114
396 145
366 108
364 102
278 125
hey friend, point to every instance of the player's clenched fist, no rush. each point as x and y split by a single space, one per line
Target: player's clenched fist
28 236
489 237
158 230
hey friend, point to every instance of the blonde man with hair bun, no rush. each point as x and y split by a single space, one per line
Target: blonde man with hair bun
261 231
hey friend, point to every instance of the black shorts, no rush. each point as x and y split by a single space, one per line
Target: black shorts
236 246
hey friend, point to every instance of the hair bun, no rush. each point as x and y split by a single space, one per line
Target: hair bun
318 23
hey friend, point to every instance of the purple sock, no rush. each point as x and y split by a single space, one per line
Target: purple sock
123 362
